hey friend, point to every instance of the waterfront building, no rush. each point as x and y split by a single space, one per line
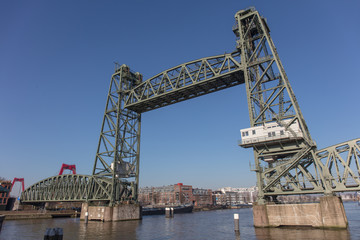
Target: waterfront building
180 194
202 197
219 198
236 196
183 194
177 194
4 196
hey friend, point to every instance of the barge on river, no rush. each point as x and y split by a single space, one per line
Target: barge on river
161 210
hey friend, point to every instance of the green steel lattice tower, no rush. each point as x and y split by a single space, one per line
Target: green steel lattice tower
282 165
117 157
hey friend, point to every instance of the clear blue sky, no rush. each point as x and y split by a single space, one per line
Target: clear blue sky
56 59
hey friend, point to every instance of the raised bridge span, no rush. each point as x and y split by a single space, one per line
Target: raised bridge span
283 166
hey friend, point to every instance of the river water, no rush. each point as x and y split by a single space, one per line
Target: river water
217 224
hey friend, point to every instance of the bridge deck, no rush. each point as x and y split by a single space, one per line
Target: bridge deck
195 90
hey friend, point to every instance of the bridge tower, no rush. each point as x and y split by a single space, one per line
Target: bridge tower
117 157
285 161
284 152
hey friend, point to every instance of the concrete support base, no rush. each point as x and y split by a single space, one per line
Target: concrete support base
329 213
121 212
2 217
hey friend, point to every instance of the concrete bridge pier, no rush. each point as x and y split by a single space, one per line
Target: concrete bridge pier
329 213
119 212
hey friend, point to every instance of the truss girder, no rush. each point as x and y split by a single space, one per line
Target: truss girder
341 162
70 187
186 81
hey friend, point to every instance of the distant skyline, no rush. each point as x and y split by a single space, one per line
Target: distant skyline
57 57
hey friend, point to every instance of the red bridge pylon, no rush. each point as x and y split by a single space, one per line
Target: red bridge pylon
68 167
18 180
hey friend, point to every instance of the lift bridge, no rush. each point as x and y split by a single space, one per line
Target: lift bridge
286 165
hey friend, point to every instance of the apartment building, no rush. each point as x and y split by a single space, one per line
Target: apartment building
5 193
177 194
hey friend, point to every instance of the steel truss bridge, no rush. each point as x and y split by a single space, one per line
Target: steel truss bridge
296 166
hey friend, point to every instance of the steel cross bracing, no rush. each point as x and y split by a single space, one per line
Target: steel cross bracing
283 166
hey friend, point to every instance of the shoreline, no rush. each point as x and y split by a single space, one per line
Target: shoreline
212 208
32 214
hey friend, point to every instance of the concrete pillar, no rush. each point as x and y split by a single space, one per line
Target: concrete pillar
261 218
169 212
333 212
2 217
236 223
84 209
120 212
329 213
125 212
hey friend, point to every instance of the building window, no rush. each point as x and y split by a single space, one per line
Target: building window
281 132
269 134
273 134
253 132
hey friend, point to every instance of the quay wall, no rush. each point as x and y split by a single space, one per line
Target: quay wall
34 214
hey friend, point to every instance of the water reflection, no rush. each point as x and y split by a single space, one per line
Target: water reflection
301 233
108 230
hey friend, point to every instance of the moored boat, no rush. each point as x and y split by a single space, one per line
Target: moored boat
161 210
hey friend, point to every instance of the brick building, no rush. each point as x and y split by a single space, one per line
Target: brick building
4 196
202 197
178 194
183 194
